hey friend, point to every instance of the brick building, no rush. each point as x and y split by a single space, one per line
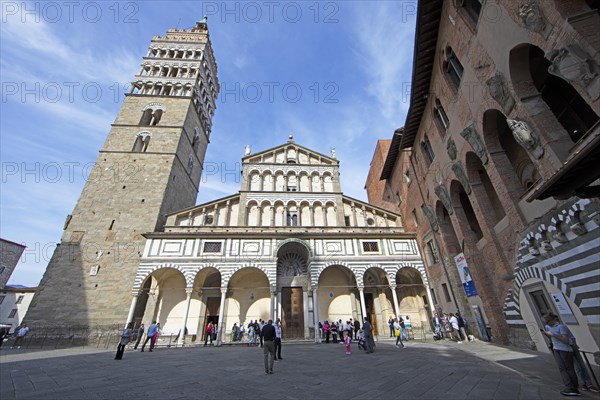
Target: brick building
496 165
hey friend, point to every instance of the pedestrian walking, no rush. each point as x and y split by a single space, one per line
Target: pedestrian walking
208 331
278 339
20 336
152 330
367 332
156 335
326 330
347 343
560 334
140 334
356 328
455 330
268 335
391 325
125 338
398 333
461 326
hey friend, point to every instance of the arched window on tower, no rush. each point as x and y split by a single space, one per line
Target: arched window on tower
146 117
156 116
151 115
142 140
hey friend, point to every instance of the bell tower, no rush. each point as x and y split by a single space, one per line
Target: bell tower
150 165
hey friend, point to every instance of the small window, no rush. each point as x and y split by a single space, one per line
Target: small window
292 219
407 177
432 253
2 299
347 220
209 220
212 247
446 292
142 140
370 246
19 299
440 117
427 150
452 67
370 221
13 312
291 188
472 8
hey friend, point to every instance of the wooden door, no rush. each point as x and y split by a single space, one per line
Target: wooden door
212 313
370 305
292 312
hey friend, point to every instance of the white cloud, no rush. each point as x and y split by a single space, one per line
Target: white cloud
386 50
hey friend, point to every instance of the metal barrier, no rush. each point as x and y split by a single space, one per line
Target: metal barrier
589 366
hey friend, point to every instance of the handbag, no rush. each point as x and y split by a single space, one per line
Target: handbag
396 332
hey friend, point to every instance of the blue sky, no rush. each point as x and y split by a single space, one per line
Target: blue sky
339 72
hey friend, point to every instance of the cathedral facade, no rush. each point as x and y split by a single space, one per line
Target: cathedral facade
288 245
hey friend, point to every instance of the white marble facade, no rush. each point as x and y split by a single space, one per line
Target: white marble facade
288 245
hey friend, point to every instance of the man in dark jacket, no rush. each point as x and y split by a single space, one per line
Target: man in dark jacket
356 328
367 331
268 335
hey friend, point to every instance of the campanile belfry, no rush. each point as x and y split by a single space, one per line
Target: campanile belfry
149 166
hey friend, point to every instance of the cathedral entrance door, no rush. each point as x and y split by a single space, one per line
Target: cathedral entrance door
292 312
370 305
211 314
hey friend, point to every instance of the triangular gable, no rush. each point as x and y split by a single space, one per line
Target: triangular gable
256 157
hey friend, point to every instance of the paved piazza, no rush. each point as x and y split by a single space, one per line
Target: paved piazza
308 371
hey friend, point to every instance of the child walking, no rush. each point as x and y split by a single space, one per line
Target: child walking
347 342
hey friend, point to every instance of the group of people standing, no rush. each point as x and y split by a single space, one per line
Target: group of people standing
336 330
451 326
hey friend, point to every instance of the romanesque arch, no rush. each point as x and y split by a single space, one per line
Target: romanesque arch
205 300
560 114
248 298
412 297
337 293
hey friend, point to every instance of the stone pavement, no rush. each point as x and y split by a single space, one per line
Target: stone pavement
308 371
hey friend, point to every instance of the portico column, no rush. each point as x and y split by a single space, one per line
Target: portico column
221 315
273 301
272 215
396 306
305 300
363 306
132 309
278 306
316 314
259 210
188 300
